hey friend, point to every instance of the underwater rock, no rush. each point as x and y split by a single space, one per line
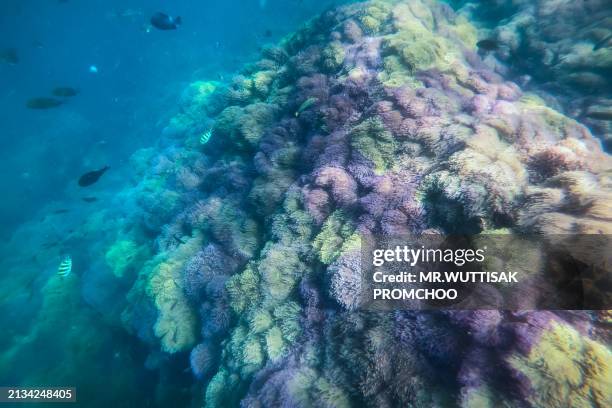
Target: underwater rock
563 46
376 118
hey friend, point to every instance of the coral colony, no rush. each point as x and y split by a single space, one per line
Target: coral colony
376 118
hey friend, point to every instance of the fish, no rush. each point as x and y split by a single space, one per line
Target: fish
92 177
487 44
93 69
61 211
90 199
43 103
9 56
305 105
205 137
162 21
65 267
65 91
268 33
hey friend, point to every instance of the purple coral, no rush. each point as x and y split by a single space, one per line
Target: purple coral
205 270
341 185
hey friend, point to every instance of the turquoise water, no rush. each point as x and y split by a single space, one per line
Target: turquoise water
203 190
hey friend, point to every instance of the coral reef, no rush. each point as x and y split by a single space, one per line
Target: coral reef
562 48
376 118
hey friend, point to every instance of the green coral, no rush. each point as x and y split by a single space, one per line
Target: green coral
225 220
252 355
196 99
268 191
294 221
219 392
336 229
375 142
243 289
413 45
415 54
262 82
201 91
373 17
176 324
260 321
287 317
310 388
244 126
275 345
567 369
245 350
395 74
279 269
333 56
125 255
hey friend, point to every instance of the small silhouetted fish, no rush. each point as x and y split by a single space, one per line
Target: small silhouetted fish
163 21
89 199
65 266
61 211
9 56
268 33
487 44
92 177
43 103
65 91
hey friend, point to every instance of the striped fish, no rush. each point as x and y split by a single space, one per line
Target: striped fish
205 137
65 266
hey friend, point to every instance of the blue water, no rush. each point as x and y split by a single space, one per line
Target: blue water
141 73
140 77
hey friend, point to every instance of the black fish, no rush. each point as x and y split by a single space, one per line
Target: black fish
61 211
92 177
9 56
89 199
165 22
268 33
487 44
43 103
65 91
